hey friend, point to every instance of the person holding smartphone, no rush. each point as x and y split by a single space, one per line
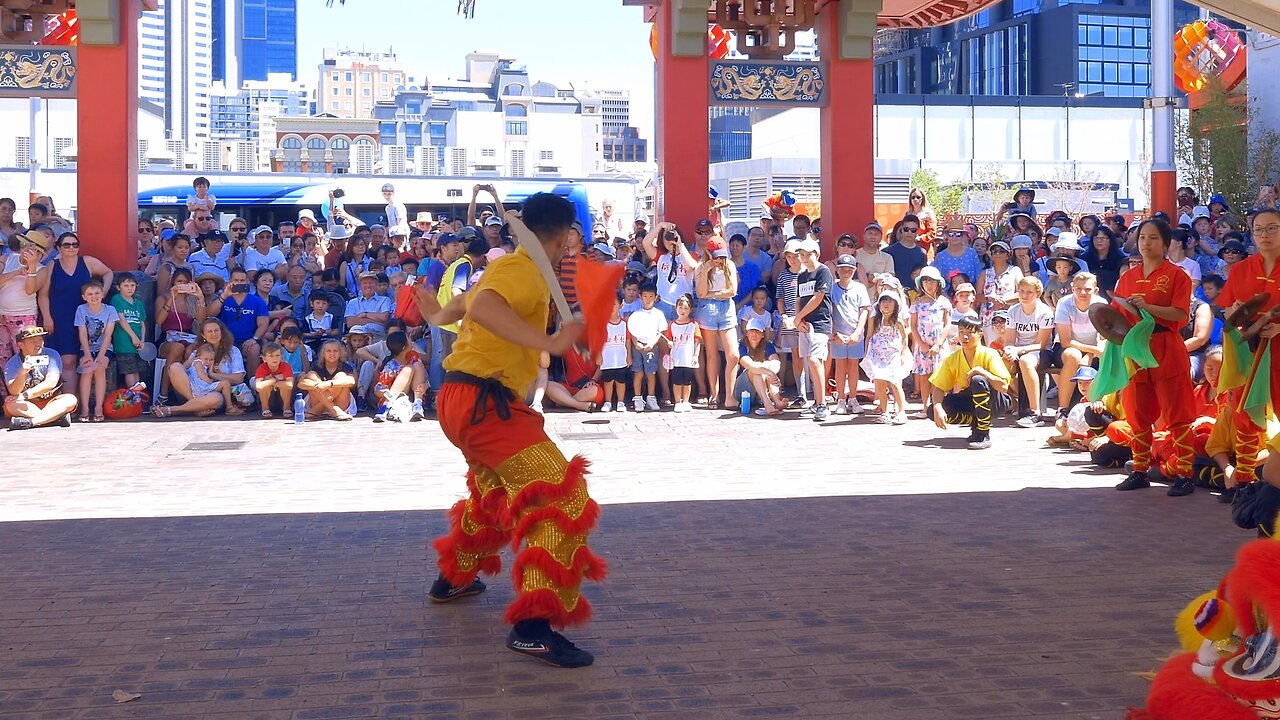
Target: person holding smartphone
475 193
246 315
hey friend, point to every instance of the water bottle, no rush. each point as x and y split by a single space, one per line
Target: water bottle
299 410
745 402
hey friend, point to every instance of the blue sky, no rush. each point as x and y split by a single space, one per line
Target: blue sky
598 41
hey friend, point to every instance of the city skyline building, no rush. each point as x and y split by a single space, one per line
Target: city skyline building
175 65
1027 48
349 82
238 113
253 39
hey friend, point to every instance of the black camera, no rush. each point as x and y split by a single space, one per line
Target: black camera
339 193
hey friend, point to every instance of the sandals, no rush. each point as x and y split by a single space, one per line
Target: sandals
1057 441
161 411
713 405
82 418
267 414
98 418
207 413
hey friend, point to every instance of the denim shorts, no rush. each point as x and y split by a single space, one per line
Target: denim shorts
715 314
644 362
853 351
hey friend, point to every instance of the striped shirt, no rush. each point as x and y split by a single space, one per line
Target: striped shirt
567 271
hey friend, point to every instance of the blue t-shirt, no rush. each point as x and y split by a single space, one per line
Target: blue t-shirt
433 270
95 324
748 278
968 263
242 319
906 259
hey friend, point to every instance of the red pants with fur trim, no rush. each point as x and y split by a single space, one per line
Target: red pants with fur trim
522 491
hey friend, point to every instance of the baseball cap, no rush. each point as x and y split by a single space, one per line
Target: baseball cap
493 220
1054 231
846 260
965 287
213 235
1085 373
793 246
1021 241
167 233
604 248
388 187
1000 244
871 225
810 245
447 238
28 332
262 229
758 324
1002 315
467 232
704 223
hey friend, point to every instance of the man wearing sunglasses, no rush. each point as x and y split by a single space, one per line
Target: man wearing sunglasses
906 254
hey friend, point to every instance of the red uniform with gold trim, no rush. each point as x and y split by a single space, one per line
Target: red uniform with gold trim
1248 278
1164 390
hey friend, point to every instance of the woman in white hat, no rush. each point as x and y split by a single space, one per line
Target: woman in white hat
998 288
930 320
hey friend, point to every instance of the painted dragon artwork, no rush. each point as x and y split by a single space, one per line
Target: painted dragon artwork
1230 667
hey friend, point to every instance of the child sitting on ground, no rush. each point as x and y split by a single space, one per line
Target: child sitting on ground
298 356
273 377
202 383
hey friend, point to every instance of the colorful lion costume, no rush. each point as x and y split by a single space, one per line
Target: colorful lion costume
781 205
1231 670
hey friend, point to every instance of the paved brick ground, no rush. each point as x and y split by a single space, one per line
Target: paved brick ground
759 569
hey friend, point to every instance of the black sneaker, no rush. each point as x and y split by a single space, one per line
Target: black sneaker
1181 486
547 645
65 420
1136 481
441 591
1228 496
20 423
982 442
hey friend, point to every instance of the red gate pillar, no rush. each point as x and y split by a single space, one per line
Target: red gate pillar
683 96
107 115
847 121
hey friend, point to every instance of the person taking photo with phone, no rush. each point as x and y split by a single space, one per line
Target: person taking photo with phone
245 315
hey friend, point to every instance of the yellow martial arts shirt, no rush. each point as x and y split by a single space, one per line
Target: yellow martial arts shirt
516 279
954 369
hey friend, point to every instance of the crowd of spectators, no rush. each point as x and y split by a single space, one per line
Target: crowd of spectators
751 318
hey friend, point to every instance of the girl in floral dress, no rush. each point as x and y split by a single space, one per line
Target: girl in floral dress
887 360
930 320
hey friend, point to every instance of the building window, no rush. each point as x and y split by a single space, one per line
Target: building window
516 111
291 143
517 163
348 77
366 77
291 166
339 143
335 91
316 143
384 77
1114 56
335 105
488 153
546 155
517 128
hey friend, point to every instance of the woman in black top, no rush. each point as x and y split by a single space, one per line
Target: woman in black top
1105 258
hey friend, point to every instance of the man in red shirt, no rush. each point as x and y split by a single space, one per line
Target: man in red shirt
1256 274
1163 290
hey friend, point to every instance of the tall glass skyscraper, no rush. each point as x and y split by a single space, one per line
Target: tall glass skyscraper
252 38
270 38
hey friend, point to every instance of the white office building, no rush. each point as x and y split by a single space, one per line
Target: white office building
175 65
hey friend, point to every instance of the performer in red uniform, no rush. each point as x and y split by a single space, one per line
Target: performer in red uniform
1252 276
1163 290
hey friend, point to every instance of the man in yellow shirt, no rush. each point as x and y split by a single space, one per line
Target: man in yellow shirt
971 385
522 489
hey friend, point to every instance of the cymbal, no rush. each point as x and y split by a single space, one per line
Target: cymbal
1109 322
1124 304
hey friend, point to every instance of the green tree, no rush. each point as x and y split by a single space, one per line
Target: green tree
1214 152
945 200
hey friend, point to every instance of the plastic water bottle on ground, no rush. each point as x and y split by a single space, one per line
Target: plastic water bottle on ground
299 410
744 403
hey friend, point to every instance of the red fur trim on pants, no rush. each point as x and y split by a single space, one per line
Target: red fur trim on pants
570 526
543 493
585 564
543 604
487 541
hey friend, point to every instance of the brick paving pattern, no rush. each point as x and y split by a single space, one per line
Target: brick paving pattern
759 569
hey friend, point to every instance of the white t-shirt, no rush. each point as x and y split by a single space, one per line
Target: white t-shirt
1191 267
1082 330
668 289
208 202
748 312
254 260
646 325
614 353
14 300
1028 325
683 336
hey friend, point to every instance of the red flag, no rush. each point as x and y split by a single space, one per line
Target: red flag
597 287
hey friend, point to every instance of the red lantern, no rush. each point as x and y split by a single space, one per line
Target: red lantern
719 41
63 30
